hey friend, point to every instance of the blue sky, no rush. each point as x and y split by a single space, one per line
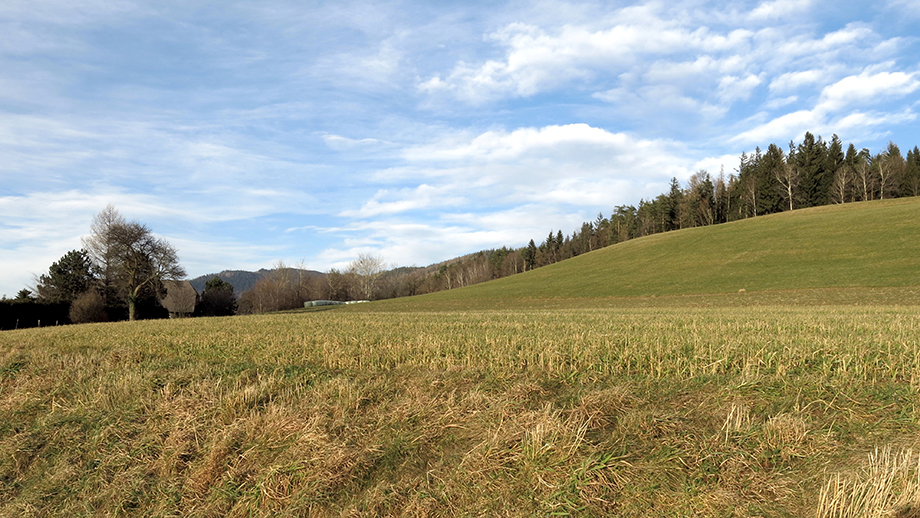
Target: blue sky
247 133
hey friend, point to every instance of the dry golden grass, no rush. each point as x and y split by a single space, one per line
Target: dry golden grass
582 411
886 485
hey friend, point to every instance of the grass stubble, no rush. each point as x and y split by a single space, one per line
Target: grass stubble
775 410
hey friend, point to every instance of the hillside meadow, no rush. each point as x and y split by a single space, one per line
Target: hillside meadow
856 245
581 400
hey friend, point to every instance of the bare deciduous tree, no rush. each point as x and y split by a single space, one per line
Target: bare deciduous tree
788 177
840 189
284 288
368 269
129 258
864 176
891 167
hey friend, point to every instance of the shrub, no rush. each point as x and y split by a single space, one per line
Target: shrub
88 307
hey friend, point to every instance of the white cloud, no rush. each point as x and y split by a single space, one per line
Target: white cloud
775 104
596 192
576 165
532 220
833 46
688 77
666 104
578 143
830 111
716 165
407 243
779 9
423 243
537 60
385 62
860 124
373 68
867 88
782 127
387 202
793 81
733 88
433 85
909 8
340 143
853 125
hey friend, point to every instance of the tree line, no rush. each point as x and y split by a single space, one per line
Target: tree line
287 287
120 272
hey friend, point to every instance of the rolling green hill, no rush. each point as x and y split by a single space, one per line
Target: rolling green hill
861 245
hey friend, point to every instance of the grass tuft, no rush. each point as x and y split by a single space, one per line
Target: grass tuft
888 485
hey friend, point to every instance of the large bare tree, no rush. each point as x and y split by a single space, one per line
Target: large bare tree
130 259
368 269
788 176
841 187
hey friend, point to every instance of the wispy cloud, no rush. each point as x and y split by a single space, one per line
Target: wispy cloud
778 9
845 105
538 60
424 196
867 89
576 165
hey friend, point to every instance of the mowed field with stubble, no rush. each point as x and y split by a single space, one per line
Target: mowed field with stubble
800 401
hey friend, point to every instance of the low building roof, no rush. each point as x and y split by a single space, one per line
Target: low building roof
181 297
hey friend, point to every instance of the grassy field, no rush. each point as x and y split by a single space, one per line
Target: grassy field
658 411
858 245
799 401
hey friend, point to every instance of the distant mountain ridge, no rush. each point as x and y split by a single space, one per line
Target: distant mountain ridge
241 280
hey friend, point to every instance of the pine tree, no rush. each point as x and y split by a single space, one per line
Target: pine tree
530 256
811 158
834 160
217 299
912 172
672 206
769 199
67 278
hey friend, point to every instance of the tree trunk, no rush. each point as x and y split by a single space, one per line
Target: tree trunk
132 311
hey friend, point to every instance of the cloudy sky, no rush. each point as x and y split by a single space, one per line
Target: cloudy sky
308 132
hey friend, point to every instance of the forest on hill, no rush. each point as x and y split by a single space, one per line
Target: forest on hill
812 173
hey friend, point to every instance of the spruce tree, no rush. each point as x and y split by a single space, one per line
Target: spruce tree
67 278
811 158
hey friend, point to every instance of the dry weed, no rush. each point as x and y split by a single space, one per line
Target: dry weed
888 485
737 420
